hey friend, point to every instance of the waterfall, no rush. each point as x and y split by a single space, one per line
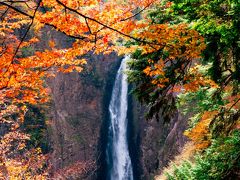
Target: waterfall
119 162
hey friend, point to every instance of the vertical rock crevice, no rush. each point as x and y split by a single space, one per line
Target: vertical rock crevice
77 113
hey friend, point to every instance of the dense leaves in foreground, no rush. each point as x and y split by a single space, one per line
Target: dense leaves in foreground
204 86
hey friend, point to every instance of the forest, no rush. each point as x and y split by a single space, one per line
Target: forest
59 83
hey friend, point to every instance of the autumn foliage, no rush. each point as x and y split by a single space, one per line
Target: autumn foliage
170 50
94 25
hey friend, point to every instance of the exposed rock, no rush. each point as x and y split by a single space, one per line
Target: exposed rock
77 112
79 118
160 141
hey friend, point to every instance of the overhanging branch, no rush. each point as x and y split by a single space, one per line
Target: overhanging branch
33 16
86 18
104 25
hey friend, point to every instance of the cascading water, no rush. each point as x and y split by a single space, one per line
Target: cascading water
118 159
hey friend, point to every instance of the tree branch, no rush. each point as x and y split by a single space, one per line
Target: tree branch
24 36
89 29
4 13
109 27
233 104
17 10
48 24
85 17
19 45
139 12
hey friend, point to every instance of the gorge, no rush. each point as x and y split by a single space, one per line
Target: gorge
81 121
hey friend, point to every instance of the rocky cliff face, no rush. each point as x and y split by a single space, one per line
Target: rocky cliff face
160 141
77 114
79 102
79 123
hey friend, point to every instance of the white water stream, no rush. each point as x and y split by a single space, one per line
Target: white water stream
119 162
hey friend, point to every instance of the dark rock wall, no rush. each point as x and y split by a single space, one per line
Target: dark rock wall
77 111
160 141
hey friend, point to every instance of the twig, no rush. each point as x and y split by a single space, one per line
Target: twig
233 105
65 12
4 13
88 26
17 10
139 12
18 47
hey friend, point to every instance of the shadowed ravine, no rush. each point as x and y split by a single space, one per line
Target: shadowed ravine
118 159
